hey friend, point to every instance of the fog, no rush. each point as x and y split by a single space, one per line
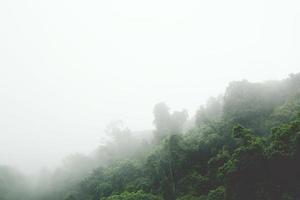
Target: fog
69 68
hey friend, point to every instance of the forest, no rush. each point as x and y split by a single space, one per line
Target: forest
241 145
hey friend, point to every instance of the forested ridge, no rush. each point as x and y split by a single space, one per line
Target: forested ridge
242 145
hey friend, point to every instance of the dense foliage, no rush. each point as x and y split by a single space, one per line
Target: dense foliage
245 145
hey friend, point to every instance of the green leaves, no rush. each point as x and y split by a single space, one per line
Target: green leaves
139 195
231 154
216 194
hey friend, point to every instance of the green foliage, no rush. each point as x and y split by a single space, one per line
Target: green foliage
245 146
139 195
216 194
191 197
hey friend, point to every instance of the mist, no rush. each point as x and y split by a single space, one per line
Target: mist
71 69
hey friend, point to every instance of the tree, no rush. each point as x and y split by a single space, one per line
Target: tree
139 195
167 123
211 112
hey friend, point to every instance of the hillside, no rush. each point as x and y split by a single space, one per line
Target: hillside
244 145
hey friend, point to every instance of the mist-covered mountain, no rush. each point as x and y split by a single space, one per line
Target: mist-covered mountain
242 145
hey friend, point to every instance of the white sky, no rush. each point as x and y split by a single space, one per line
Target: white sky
69 67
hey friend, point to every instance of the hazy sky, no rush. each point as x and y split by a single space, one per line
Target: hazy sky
69 67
